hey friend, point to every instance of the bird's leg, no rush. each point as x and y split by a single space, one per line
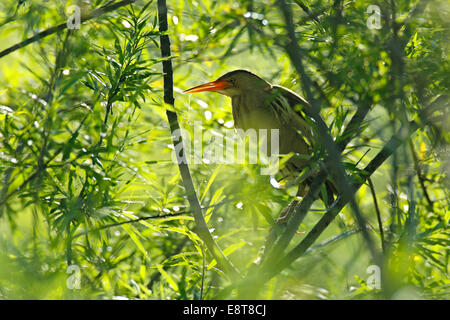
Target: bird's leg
281 222
287 212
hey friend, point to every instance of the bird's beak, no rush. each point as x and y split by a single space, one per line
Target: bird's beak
210 86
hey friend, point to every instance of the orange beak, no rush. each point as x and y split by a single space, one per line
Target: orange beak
210 86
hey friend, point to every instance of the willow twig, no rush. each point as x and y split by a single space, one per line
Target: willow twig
377 210
140 219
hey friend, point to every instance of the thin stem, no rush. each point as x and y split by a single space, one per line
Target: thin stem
177 250
323 223
420 174
377 210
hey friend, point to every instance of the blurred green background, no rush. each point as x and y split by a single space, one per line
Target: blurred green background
72 185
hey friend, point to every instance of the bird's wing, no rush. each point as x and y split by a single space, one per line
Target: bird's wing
287 100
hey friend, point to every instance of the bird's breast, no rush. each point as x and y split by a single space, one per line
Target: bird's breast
251 112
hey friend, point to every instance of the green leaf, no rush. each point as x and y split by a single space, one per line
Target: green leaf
229 250
168 278
134 237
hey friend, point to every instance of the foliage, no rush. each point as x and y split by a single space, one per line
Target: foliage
86 152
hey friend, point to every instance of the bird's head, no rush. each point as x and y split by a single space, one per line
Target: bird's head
233 83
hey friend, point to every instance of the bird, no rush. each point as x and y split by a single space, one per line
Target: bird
258 104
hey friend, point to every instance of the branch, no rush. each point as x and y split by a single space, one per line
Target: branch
94 14
377 210
200 223
177 250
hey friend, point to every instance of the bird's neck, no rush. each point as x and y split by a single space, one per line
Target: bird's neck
238 105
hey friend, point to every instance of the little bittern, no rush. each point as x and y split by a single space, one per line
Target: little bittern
257 104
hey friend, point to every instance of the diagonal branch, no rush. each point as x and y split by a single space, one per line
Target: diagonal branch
94 14
258 279
200 223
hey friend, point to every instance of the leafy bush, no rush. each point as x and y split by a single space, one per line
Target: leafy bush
93 206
